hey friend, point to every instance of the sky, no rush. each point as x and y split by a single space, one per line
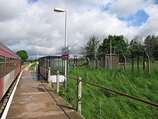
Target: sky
32 25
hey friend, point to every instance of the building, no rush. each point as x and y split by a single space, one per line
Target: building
52 64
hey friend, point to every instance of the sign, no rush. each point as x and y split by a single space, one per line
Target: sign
65 57
65 53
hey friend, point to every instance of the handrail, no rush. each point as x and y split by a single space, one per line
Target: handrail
123 94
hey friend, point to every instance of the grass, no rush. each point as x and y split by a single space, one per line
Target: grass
99 103
32 67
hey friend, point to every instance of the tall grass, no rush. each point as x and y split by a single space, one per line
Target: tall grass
99 103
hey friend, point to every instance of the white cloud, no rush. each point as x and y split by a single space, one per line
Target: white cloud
36 26
10 9
150 27
125 8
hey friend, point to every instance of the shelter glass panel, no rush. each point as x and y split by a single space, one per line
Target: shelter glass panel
56 64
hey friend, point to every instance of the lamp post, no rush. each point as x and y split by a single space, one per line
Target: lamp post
61 10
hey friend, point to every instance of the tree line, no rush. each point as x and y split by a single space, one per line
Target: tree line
118 44
115 44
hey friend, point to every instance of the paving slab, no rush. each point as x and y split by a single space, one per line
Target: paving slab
35 99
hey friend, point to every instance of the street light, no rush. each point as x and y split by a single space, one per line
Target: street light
61 10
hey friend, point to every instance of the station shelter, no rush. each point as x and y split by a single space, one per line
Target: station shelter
54 64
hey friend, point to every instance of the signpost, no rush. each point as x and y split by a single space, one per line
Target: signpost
65 53
65 56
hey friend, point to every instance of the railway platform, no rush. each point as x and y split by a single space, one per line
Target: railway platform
35 99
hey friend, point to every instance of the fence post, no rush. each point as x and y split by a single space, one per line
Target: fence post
38 71
132 59
88 61
138 60
148 59
144 59
124 62
79 94
96 65
48 74
49 80
57 79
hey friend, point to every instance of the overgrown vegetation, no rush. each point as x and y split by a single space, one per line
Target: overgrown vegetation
33 66
99 103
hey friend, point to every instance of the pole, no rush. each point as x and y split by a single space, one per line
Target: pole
66 63
124 61
110 55
57 81
79 94
132 53
143 59
65 29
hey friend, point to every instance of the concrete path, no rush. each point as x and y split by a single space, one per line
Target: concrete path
34 99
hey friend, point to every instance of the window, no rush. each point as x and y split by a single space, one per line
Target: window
7 65
2 64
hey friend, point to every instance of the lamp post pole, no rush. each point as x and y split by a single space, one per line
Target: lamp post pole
61 10
65 29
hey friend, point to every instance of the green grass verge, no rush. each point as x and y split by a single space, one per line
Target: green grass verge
99 103
32 67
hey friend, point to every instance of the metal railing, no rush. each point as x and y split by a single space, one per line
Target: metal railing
79 84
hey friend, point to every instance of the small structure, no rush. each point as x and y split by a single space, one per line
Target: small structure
51 64
108 61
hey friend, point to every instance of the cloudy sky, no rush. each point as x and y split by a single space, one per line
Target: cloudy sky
32 25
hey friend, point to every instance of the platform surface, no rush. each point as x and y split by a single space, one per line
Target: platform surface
34 99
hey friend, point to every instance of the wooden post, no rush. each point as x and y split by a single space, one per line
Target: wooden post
144 59
57 79
49 79
96 65
38 71
106 62
148 59
124 62
79 94
48 74
138 60
132 60
88 61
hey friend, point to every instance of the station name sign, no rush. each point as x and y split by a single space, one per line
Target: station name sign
65 53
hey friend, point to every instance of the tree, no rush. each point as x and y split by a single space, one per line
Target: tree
117 45
136 47
23 54
151 45
92 46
